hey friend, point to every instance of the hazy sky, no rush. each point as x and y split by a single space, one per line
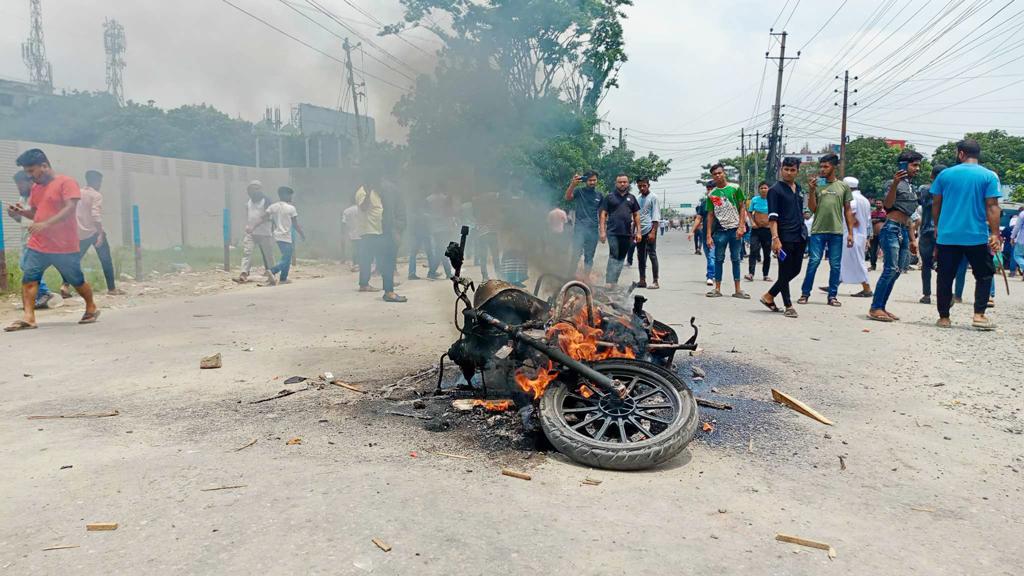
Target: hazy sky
692 81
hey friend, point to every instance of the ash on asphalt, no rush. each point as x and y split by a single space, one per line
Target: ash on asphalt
755 419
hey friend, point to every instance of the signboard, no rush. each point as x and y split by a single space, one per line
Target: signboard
686 205
898 144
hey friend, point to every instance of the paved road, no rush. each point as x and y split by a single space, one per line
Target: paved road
929 424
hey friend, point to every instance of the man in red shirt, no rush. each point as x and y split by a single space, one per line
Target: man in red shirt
53 239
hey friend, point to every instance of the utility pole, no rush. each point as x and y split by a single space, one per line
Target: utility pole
33 51
622 140
842 135
114 44
774 141
757 149
355 94
743 162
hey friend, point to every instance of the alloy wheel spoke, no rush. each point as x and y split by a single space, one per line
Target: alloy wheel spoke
622 431
603 429
576 410
646 431
647 416
585 422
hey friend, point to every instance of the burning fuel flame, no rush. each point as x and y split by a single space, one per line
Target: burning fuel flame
493 405
536 385
583 342
658 335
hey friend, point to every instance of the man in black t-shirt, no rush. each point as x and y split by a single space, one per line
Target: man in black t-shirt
619 225
586 203
789 235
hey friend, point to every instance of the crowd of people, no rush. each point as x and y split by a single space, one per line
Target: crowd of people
948 225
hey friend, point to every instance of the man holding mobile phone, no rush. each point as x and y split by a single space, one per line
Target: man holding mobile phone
586 203
789 236
829 199
896 238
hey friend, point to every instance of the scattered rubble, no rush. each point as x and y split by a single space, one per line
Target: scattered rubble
211 362
514 474
101 526
380 544
799 406
805 542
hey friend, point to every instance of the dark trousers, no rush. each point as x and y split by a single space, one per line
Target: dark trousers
103 252
647 248
584 244
873 251
632 250
698 240
926 249
761 244
285 264
618 246
387 261
441 240
376 248
788 270
420 241
488 246
982 267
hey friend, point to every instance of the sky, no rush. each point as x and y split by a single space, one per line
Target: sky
927 70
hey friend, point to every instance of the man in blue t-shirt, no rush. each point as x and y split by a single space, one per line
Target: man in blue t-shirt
965 208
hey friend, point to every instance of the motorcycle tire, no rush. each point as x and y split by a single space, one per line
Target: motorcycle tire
604 432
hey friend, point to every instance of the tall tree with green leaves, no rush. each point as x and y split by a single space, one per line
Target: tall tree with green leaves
1000 152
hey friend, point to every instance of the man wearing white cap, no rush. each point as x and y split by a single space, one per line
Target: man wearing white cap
257 231
854 269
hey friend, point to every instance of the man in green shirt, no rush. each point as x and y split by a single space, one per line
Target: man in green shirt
727 217
829 199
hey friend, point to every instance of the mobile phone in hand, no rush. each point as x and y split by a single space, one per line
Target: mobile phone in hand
782 255
904 165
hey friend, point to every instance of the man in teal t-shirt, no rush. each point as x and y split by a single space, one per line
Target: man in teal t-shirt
829 201
727 217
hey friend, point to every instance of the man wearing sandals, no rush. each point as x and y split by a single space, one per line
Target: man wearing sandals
896 239
53 239
829 199
965 208
789 235
727 217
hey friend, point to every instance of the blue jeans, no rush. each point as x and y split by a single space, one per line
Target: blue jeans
817 245
617 248
584 244
723 239
709 255
285 264
1018 255
894 240
43 289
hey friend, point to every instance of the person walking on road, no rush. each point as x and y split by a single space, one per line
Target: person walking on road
618 217
53 237
393 223
257 231
829 199
650 222
283 219
854 268
586 204
760 234
926 236
877 220
352 219
896 239
420 237
442 223
24 184
789 235
89 215
1017 238
965 207
727 216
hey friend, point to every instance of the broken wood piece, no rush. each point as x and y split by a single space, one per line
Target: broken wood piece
514 474
347 386
293 442
247 445
407 415
100 526
783 398
842 462
280 394
61 547
459 456
81 415
210 362
222 488
380 544
922 509
591 482
713 404
805 542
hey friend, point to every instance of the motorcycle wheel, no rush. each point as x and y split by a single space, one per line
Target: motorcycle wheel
653 423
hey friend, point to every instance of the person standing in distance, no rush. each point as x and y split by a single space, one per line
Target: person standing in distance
789 235
727 217
618 218
650 222
829 199
896 239
760 234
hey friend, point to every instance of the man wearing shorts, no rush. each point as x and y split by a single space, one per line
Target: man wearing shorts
53 236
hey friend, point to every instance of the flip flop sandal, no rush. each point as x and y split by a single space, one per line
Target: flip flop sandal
714 294
944 323
395 298
985 325
862 294
790 313
802 300
767 278
654 286
741 296
89 318
894 317
883 318
824 289
748 278
19 325
835 302
769 305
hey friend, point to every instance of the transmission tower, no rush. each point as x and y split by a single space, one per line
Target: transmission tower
114 43
33 51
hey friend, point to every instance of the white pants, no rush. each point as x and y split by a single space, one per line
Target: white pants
250 242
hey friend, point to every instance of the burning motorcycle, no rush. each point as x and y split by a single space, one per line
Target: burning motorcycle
594 373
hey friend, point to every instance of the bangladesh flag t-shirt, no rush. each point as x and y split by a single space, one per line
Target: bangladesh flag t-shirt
726 202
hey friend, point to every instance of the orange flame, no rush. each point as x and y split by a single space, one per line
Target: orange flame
582 342
539 383
493 405
658 335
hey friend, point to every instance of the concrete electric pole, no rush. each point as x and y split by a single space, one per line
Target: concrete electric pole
775 139
842 136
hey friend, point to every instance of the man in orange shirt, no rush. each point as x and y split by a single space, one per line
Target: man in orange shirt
53 239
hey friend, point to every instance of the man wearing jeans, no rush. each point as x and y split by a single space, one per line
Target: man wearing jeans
586 204
283 218
650 220
896 239
24 185
1017 238
727 217
829 199
966 212
699 221
90 228
618 218
926 236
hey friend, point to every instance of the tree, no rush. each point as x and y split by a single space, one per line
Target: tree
1000 152
873 162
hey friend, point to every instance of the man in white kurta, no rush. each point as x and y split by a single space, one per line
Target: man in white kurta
854 269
